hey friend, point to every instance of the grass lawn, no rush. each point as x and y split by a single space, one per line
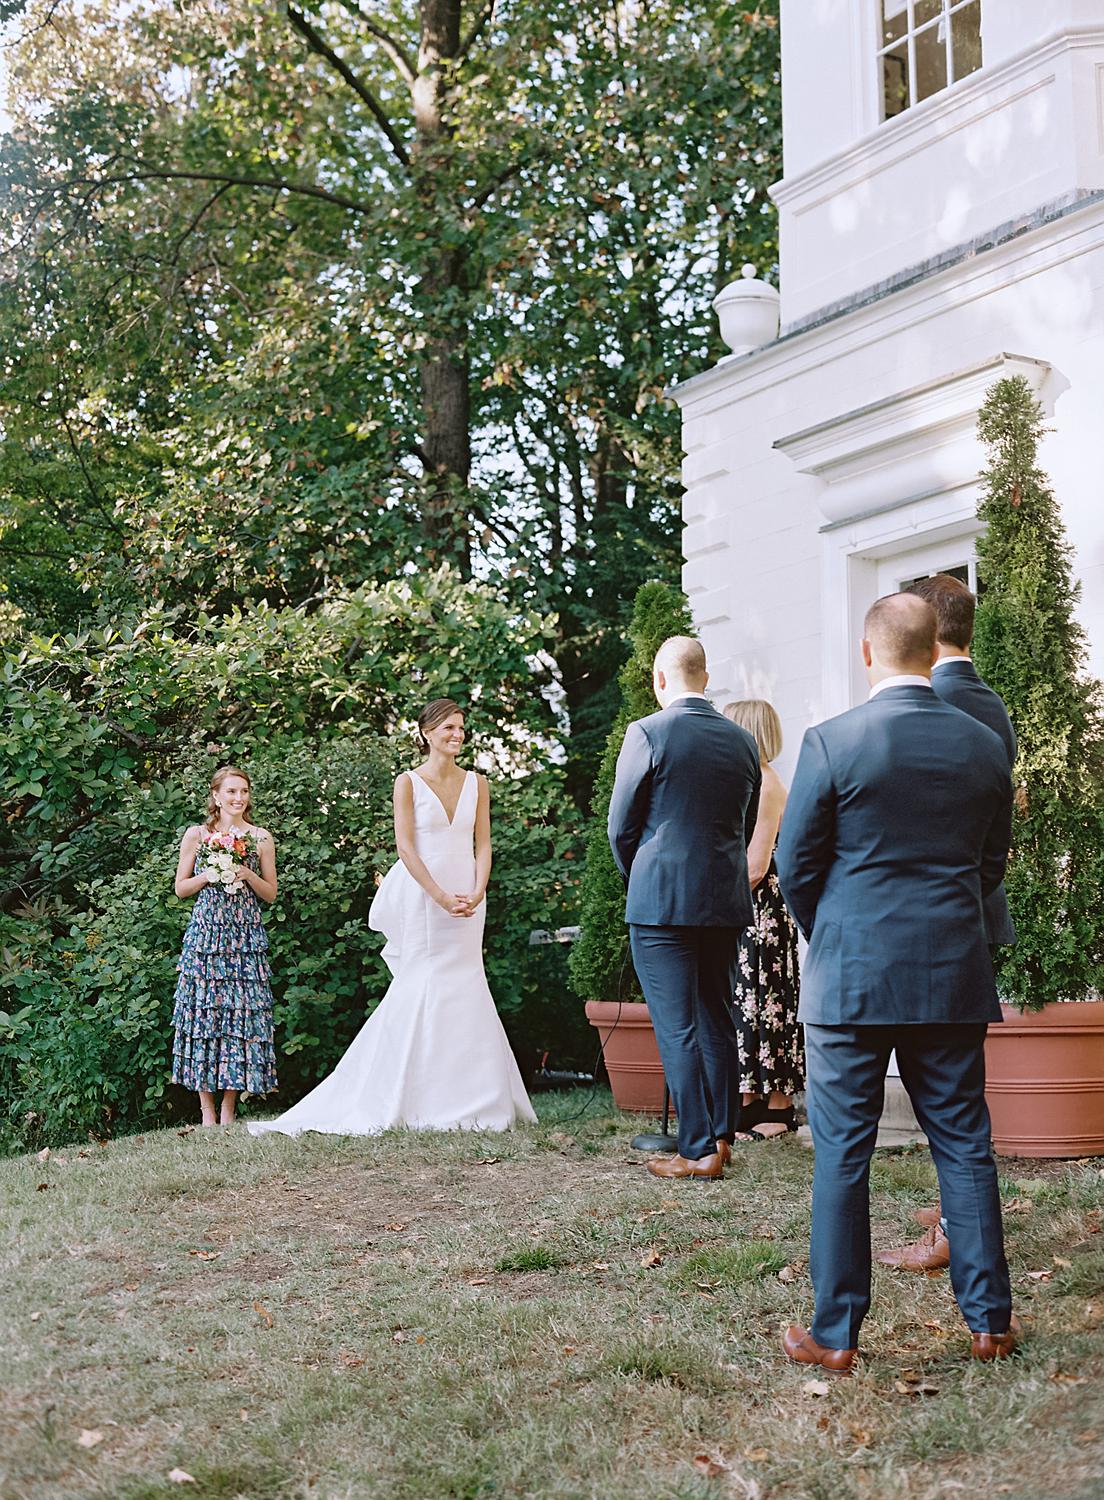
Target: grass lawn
530 1315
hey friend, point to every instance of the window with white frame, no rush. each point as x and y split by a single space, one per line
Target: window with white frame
926 45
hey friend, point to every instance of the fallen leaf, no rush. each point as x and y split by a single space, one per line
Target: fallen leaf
1061 1378
89 1437
757 1455
816 1388
41 1187
351 1361
35 1317
669 1203
651 1258
44 1154
205 1254
395 1226
1040 1275
180 1476
711 1467
244 1414
263 1313
861 1435
601 1265
787 1273
1019 1206
480 1281
420 1339
486 1161
188 1130
1065 1264
569 1348
399 1337
1086 1437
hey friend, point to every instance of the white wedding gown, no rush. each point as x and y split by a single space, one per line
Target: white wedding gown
433 1055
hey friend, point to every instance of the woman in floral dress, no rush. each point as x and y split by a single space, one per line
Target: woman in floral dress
222 1018
771 1044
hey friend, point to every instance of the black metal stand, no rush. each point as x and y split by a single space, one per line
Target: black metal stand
658 1140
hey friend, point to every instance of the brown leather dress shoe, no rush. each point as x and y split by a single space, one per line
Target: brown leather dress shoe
996 1345
803 1349
928 1218
930 1253
702 1168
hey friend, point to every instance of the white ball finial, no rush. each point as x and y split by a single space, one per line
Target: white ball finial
747 270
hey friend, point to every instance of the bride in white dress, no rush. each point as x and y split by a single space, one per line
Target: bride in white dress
433 1055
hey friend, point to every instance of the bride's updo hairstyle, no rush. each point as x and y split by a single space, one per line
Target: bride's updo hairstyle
432 715
213 809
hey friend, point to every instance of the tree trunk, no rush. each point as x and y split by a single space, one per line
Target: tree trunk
444 366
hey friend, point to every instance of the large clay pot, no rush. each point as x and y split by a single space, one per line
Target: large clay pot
1045 1081
630 1053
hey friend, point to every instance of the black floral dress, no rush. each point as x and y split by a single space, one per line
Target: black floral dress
771 1041
222 1018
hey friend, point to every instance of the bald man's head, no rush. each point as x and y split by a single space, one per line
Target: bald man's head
679 668
899 635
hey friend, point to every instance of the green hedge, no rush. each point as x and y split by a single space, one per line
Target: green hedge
318 710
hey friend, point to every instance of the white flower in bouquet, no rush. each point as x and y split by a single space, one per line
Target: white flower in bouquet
221 853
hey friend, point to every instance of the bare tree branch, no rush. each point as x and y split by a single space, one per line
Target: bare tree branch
479 25
143 173
210 203
404 63
362 91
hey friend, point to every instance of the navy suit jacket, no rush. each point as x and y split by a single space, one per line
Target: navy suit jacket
957 682
897 825
682 812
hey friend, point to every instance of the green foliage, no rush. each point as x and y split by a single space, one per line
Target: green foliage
106 748
1031 649
600 966
212 390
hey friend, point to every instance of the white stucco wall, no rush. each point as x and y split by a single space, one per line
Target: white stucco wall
864 201
779 569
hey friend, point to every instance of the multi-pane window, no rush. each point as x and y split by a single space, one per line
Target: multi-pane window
926 46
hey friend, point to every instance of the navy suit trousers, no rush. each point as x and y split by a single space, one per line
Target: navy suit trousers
943 1070
687 975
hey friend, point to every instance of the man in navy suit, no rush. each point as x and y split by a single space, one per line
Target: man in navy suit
682 811
956 681
897 827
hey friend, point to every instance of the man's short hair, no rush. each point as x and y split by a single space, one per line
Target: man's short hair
901 630
683 657
954 607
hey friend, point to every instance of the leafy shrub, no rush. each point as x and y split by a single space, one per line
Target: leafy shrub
1030 648
600 966
314 707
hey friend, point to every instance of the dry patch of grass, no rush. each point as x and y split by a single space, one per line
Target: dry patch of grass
458 1317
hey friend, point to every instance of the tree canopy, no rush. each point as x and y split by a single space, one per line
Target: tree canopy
295 299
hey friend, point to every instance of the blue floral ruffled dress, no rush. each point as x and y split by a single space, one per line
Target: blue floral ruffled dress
222 1017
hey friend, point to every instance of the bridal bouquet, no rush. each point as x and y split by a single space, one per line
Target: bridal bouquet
221 852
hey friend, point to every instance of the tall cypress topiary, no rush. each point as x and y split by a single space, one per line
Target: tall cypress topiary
1030 648
599 965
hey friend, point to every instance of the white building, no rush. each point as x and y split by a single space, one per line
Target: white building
942 224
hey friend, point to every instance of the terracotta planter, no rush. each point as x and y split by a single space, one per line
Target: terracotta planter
1045 1081
630 1052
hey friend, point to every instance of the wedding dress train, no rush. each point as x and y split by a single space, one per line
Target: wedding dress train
433 1055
